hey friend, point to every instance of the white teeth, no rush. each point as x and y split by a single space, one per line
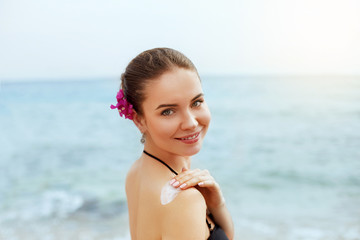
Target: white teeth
192 137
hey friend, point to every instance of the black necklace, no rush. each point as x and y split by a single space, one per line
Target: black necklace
160 161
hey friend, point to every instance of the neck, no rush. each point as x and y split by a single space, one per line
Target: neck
176 162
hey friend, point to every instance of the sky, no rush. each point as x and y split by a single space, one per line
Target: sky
60 39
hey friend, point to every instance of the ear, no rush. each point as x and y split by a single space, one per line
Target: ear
139 122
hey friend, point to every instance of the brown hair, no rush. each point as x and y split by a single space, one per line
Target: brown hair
147 66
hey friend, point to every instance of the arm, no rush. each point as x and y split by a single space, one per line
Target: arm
222 217
184 218
210 189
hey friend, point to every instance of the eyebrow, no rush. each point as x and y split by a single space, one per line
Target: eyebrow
175 105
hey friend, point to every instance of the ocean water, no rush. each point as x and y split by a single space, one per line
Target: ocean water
285 150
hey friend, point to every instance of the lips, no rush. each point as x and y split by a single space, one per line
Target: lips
189 139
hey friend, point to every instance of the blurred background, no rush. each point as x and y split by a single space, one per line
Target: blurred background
281 77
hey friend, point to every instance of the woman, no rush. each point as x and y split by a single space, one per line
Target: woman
161 92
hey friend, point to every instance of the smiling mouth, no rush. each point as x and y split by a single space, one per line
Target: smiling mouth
190 137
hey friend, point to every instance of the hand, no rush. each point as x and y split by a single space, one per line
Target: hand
204 182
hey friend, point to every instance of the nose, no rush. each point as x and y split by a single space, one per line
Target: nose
189 121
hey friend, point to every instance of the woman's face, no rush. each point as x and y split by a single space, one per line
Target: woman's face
176 117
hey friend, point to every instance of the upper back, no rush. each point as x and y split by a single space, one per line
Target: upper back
149 219
143 192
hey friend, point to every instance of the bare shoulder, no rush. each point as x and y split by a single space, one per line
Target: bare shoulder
190 197
185 216
131 174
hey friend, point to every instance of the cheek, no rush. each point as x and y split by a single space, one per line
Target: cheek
164 128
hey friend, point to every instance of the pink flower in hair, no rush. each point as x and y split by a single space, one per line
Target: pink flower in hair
124 107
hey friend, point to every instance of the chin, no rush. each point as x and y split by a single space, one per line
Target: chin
192 151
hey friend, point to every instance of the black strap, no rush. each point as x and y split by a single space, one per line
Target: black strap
161 162
209 226
207 222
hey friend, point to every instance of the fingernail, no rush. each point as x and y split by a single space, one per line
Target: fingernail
201 183
172 181
175 184
183 185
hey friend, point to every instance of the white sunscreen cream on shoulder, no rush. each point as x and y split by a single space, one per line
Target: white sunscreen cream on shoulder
168 193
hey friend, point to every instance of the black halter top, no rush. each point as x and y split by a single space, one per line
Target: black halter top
216 233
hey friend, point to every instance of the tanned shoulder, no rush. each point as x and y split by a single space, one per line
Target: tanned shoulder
184 218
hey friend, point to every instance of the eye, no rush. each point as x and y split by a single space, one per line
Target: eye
167 112
197 103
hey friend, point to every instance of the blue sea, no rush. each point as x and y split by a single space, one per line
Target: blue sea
285 150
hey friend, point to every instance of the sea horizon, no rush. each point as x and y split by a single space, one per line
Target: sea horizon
283 148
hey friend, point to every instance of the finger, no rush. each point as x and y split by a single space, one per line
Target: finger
187 172
195 172
202 180
175 179
177 182
192 178
183 177
195 181
207 183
